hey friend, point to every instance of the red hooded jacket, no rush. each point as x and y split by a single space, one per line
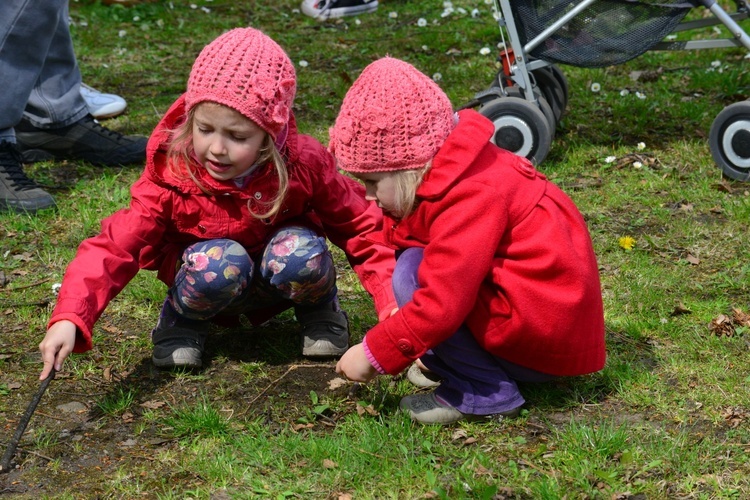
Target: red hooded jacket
506 252
167 214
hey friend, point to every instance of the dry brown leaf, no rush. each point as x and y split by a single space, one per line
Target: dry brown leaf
459 434
329 464
724 187
734 416
680 309
740 317
335 383
153 405
299 427
693 259
722 326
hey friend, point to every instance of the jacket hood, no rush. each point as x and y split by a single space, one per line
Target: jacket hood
156 155
457 155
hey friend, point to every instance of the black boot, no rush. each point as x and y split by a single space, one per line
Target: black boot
85 140
18 192
325 330
178 342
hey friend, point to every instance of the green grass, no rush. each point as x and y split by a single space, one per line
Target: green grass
666 418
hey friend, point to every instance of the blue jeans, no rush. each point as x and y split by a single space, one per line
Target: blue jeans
474 381
39 75
218 276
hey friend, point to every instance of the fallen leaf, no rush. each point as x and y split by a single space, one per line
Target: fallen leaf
459 434
722 326
740 317
724 187
329 464
335 383
734 416
680 309
153 405
299 427
469 441
693 259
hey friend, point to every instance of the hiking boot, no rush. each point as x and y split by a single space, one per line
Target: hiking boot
85 140
325 333
178 342
426 408
102 105
18 192
326 9
425 379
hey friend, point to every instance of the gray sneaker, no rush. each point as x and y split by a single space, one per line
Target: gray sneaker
85 140
178 342
325 333
18 192
178 347
421 379
426 409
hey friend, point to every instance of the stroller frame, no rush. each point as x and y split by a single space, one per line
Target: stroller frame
529 94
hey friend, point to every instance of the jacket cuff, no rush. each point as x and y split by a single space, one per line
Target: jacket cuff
371 358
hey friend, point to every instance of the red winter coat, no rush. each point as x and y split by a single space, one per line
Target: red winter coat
506 252
167 214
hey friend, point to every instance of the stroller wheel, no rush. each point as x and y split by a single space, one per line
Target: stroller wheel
552 90
562 82
544 106
520 127
729 140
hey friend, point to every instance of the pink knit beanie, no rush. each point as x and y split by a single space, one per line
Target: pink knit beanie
392 118
247 71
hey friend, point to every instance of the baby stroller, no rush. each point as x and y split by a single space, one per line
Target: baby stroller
529 95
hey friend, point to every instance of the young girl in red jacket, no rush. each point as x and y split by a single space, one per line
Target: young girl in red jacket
231 211
496 278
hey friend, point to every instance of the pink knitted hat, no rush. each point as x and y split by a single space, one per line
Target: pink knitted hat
392 118
247 71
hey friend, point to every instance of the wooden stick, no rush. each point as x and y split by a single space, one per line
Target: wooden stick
11 451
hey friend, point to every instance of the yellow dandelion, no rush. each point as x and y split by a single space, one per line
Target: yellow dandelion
627 242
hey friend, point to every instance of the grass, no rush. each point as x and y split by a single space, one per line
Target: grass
666 418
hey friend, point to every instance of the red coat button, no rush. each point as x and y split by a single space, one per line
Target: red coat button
405 346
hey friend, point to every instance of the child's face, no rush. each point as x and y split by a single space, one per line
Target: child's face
226 143
380 187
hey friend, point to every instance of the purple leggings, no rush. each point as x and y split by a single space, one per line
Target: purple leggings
218 276
474 381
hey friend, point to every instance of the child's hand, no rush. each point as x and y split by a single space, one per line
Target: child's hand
57 344
355 366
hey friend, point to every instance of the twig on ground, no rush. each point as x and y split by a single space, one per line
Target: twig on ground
278 379
11 451
30 285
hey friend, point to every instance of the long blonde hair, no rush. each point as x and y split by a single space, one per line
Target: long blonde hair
181 163
405 183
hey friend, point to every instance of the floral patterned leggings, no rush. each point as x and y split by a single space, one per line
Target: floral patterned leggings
219 275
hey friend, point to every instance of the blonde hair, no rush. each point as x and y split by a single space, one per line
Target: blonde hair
405 183
181 162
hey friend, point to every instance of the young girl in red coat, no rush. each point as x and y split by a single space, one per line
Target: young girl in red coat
231 210
496 277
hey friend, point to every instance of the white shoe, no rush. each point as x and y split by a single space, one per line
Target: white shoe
102 105
325 9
